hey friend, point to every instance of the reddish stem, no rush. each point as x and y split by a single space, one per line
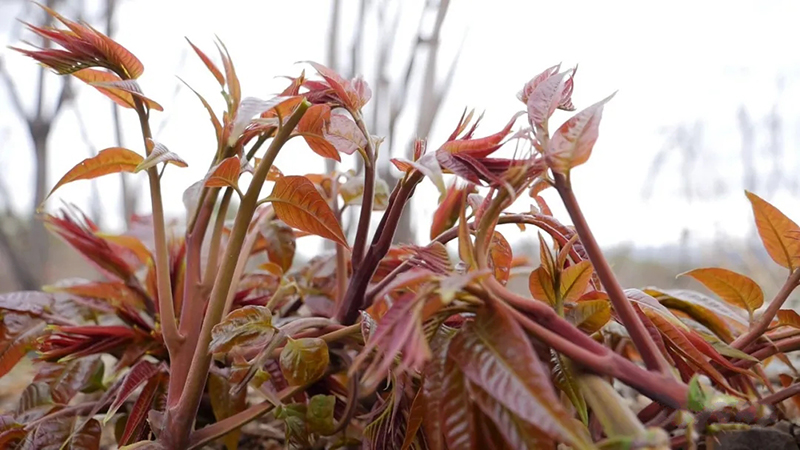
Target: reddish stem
652 358
763 322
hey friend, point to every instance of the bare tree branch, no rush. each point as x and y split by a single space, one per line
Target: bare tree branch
11 88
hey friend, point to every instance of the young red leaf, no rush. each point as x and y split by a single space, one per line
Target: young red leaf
247 326
209 64
446 213
457 409
159 153
224 174
140 409
119 97
110 160
344 134
544 100
353 95
572 143
495 354
776 232
734 288
140 373
298 203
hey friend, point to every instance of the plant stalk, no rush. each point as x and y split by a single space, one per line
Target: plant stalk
179 419
652 358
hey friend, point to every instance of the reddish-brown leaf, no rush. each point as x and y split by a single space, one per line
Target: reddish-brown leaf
19 335
209 64
232 80
572 143
225 174
298 203
159 153
456 410
250 325
517 432
140 409
776 232
225 404
312 127
110 160
52 434
119 97
734 288
494 353
140 373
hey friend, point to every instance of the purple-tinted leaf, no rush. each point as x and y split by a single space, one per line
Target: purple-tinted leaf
53 434
141 407
544 100
67 379
433 389
19 335
572 143
494 353
344 134
517 432
139 374
31 302
456 414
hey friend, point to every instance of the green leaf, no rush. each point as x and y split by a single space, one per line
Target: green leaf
698 398
319 414
564 379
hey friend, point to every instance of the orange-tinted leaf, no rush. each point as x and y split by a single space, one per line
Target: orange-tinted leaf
500 256
312 126
209 64
541 286
90 76
110 160
344 134
280 245
19 335
446 213
225 174
249 325
574 281
572 143
232 80
130 87
214 120
494 353
159 153
250 107
304 360
225 404
789 317
775 230
731 287
131 243
298 203
719 317
590 315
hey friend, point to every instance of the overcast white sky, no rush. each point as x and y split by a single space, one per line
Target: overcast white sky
674 63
